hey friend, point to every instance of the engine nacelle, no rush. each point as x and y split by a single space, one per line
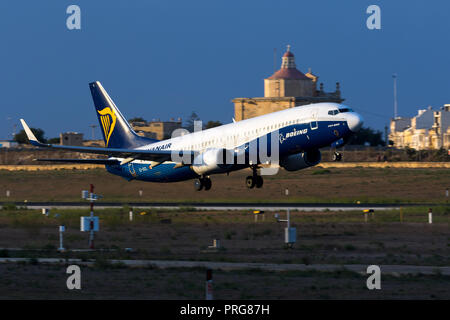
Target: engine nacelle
301 160
213 161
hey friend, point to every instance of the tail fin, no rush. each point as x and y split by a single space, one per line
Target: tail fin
117 132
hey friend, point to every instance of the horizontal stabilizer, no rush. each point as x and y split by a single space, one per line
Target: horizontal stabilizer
85 161
137 154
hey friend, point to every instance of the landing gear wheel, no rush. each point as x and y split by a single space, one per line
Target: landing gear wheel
259 181
207 183
202 184
255 179
198 184
337 156
250 182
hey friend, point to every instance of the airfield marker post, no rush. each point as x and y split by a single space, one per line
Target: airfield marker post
290 234
61 230
256 213
366 214
209 287
430 216
288 218
91 224
131 214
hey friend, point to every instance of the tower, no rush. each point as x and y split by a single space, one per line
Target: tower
286 88
288 81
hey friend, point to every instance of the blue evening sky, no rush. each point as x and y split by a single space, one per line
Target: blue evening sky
163 59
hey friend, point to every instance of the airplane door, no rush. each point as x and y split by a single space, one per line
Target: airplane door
314 125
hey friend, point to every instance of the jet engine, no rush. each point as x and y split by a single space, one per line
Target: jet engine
301 160
213 161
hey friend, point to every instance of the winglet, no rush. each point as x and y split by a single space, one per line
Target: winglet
30 134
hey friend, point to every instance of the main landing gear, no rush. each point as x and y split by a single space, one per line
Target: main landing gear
254 180
203 183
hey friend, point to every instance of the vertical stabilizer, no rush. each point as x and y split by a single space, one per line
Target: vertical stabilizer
117 132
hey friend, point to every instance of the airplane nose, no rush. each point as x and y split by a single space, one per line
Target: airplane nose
354 121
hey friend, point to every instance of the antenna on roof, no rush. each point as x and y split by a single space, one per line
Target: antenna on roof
93 126
395 95
274 60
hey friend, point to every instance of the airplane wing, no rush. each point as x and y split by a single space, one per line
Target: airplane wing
129 154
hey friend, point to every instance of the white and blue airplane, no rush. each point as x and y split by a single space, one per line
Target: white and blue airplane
296 133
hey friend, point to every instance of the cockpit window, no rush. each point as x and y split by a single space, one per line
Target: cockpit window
333 112
345 110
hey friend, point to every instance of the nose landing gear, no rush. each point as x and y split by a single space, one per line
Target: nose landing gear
337 156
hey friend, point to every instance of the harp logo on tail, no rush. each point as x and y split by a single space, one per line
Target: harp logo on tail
108 120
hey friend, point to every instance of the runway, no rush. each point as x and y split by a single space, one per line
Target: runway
395 270
222 206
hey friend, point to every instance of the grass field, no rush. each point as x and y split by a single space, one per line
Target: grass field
326 237
317 185
323 238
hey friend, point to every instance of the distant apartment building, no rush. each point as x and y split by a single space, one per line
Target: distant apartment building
429 129
8 144
71 139
156 129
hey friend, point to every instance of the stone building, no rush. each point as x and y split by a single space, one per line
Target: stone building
429 129
71 139
156 129
286 88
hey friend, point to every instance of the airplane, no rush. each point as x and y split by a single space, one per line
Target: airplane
296 134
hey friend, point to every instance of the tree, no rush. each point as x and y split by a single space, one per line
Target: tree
54 140
211 124
21 137
367 135
190 122
137 119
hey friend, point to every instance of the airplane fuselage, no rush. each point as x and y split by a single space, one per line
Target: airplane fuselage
297 129
290 139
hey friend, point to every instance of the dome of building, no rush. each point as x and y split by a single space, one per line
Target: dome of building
288 74
288 69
